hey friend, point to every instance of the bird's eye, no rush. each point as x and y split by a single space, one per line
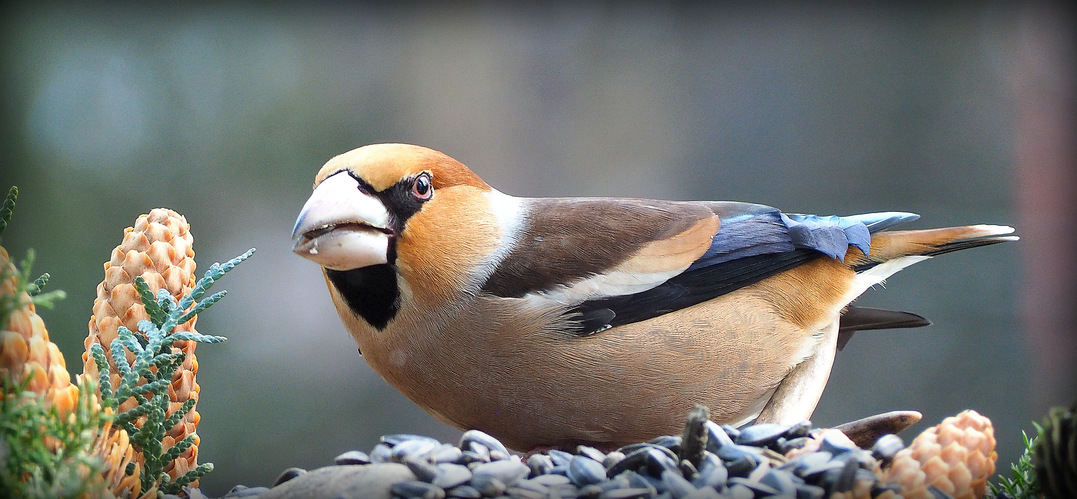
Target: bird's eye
421 187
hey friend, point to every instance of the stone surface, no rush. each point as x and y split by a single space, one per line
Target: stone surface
371 481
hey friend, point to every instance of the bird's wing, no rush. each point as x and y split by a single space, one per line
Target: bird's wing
614 262
575 249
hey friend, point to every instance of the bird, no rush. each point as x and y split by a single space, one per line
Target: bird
555 322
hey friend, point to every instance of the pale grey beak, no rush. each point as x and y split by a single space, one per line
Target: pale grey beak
341 227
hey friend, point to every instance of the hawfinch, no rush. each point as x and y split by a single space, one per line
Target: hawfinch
600 321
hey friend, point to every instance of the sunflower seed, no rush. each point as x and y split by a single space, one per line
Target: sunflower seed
590 492
712 473
880 489
415 488
626 494
352 457
584 471
739 460
422 468
676 484
780 481
622 482
612 458
705 493
479 450
808 491
508 471
552 480
381 453
488 485
560 457
591 452
469 458
716 436
786 445
650 458
803 462
739 491
450 475
463 492
753 485
446 453
761 434
630 448
671 442
631 479
801 429
530 485
887 447
399 438
496 448
833 445
814 470
288 474
840 479
540 464
518 493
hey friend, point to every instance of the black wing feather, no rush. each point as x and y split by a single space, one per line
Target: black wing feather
693 286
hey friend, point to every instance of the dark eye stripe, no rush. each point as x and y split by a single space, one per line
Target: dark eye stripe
400 198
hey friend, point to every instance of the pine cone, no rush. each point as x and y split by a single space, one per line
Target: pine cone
114 448
159 249
957 456
26 352
1056 454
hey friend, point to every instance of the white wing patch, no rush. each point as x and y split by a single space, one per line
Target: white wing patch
613 283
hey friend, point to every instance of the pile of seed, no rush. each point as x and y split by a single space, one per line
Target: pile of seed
707 461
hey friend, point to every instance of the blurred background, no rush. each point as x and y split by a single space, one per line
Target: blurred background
962 113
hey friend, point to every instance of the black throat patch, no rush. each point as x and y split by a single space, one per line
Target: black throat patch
371 292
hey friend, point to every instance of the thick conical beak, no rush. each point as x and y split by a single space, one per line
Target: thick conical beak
342 227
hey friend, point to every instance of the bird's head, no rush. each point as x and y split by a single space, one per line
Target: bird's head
388 210
364 199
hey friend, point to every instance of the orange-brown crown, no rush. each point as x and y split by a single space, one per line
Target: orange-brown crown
383 165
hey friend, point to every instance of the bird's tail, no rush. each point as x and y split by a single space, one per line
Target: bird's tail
892 251
910 246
